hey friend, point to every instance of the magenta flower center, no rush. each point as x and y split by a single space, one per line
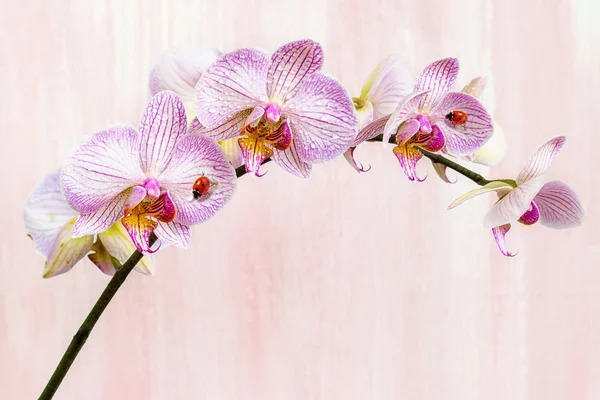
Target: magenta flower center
272 113
152 188
425 127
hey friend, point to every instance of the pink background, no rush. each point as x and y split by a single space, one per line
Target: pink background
343 286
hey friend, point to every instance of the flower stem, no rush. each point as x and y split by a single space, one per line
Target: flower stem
86 327
440 159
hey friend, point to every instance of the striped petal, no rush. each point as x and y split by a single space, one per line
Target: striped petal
407 130
322 118
280 138
409 157
490 187
255 152
103 218
531 216
46 213
510 207
101 169
463 139
66 252
432 141
229 129
559 205
290 65
541 160
370 131
174 233
499 233
437 78
140 228
234 83
118 244
364 114
197 156
407 109
290 160
161 125
387 85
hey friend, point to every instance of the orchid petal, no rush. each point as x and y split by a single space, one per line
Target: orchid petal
135 197
292 64
118 244
232 151
440 170
407 109
234 83
466 138
475 87
541 160
140 228
101 169
46 213
255 116
197 156
437 78
102 259
280 138
408 157
349 156
407 130
364 115
255 152
173 233
510 207
161 125
492 152
531 216
290 160
559 205
66 252
434 141
103 218
371 131
162 209
322 118
180 70
499 233
229 129
490 187
387 85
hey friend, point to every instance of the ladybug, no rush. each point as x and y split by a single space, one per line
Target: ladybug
457 117
201 187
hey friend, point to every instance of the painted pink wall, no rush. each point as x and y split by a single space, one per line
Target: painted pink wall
338 287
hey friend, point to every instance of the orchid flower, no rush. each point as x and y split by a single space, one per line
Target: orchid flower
49 221
383 90
179 71
281 107
146 178
530 199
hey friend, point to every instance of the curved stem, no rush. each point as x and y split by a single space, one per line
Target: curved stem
86 327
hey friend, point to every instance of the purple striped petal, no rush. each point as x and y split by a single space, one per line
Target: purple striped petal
499 233
235 83
349 156
409 157
101 169
280 138
370 131
466 138
197 156
229 129
161 125
255 152
66 252
46 213
118 244
531 216
407 130
137 194
292 64
510 208
387 85
437 78
407 109
433 141
290 160
173 233
103 218
541 160
322 119
559 206
140 228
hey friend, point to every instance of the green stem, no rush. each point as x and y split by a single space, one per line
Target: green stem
86 327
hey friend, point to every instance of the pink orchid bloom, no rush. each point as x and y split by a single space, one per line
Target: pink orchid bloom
145 177
281 107
49 222
383 90
530 199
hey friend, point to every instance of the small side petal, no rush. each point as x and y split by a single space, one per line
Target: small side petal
234 83
490 187
173 233
135 197
290 160
370 131
231 128
466 138
66 252
510 207
291 64
437 78
559 205
322 118
407 130
280 138
541 160
499 233
433 141
408 157
407 109
197 156
118 244
101 169
102 219
531 216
